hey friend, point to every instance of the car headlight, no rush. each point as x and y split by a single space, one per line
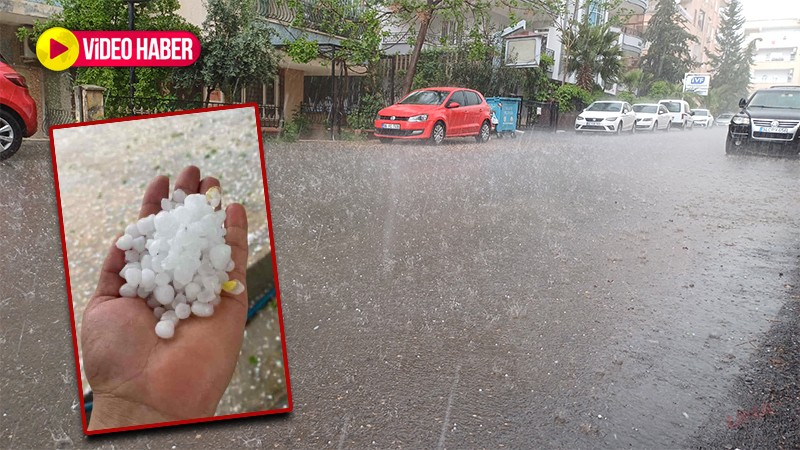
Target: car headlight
740 119
419 118
646 119
581 118
611 119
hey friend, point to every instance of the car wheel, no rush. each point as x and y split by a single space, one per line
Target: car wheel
619 128
483 135
10 135
655 127
438 133
731 148
633 128
668 127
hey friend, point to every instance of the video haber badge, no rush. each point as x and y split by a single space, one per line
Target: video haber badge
59 49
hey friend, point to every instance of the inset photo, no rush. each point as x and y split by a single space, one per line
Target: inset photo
171 273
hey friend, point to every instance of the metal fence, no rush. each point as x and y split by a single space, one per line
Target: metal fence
537 115
122 106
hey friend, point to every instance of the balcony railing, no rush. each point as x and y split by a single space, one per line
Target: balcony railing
309 14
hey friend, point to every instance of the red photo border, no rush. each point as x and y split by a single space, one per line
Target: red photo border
288 409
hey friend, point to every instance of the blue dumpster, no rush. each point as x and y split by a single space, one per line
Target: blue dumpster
506 109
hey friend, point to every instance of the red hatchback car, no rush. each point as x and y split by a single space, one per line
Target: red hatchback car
17 110
434 113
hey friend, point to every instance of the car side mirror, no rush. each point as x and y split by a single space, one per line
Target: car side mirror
691 113
453 105
742 103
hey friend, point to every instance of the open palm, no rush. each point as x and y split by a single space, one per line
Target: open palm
138 378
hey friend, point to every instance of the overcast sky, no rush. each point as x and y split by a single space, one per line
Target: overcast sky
771 9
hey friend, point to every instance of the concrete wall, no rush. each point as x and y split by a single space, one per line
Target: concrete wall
194 11
292 91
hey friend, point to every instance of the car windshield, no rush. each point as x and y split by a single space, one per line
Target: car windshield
425 98
700 112
672 106
725 116
3 59
605 106
651 109
776 99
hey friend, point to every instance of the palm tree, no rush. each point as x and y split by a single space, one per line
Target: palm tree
636 81
595 52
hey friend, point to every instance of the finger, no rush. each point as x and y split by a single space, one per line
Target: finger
188 180
151 202
109 283
236 237
207 183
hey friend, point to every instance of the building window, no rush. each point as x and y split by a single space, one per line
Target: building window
261 93
594 13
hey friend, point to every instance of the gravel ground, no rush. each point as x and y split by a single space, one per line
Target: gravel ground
767 394
102 178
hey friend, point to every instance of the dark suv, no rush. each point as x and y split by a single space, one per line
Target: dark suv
768 120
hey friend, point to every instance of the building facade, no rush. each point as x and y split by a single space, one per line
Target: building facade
50 90
775 60
702 21
298 87
630 35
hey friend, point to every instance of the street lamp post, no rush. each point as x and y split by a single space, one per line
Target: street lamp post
132 70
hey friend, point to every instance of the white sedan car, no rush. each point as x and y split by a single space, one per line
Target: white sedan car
703 118
607 116
652 117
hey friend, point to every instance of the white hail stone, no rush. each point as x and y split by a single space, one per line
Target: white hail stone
125 242
183 311
202 309
127 290
165 329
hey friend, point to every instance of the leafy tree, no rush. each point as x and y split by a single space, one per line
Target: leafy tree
158 15
358 28
595 52
473 63
636 81
237 49
572 98
664 89
732 60
419 14
566 16
668 57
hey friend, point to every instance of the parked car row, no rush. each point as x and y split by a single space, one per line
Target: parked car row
612 116
439 112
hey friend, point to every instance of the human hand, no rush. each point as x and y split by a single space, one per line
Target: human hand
138 378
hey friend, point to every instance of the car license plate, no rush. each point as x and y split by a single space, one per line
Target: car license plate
774 130
391 126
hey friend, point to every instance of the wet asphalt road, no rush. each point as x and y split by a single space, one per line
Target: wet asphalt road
551 291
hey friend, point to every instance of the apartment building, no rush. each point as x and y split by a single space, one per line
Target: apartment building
776 43
702 21
630 35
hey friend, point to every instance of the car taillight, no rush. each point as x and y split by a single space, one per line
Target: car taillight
17 79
